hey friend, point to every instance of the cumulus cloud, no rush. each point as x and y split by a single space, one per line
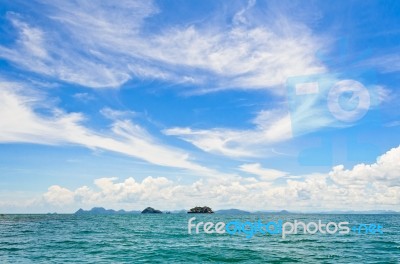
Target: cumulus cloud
364 187
106 44
385 170
58 196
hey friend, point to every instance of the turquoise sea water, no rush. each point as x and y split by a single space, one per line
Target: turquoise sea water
164 239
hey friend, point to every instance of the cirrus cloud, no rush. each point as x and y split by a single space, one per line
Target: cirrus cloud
98 46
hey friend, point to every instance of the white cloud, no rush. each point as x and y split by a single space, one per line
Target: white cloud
262 173
20 122
365 187
240 17
385 170
306 114
102 45
243 58
387 63
50 55
84 97
31 40
270 127
116 114
58 196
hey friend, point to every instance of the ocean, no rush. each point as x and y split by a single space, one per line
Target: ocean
156 238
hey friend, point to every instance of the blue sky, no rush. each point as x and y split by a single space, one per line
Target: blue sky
172 104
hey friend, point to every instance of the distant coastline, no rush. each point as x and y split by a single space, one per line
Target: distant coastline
232 211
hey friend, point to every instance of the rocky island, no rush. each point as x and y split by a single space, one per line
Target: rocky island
103 211
201 210
150 210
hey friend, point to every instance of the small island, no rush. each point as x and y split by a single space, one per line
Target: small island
201 210
150 210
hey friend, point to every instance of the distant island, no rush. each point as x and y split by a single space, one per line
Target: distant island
208 210
150 210
102 211
201 210
273 212
372 212
232 212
